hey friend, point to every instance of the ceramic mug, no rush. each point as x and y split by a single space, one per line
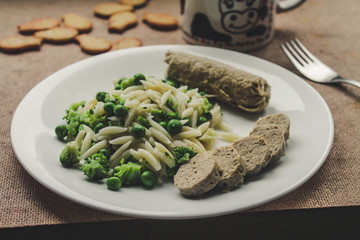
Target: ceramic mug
241 25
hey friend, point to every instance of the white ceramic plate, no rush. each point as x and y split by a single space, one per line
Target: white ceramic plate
38 149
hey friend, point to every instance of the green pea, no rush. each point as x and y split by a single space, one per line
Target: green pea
98 127
61 131
109 108
73 128
120 110
174 126
172 83
148 179
163 124
118 86
138 77
143 121
138 131
113 183
202 120
202 93
121 79
127 83
100 96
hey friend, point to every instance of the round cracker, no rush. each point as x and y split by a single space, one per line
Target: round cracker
122 21
38 24
135 3
93 45
19 43
160 20
109 8
80 23
127 42
57 35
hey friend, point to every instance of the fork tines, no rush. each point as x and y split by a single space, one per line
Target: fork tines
298 53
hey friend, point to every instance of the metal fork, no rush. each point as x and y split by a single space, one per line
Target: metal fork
310 66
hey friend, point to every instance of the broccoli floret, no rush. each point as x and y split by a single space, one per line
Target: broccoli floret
206 106
114 99
70 155
128 173
183 154
100 157
76 105
75 118
96 166
94 170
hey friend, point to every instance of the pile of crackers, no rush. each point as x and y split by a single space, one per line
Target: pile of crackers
74 27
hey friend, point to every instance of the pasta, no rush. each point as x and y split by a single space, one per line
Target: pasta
94 149
140 133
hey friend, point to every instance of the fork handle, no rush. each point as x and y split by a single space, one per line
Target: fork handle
349 81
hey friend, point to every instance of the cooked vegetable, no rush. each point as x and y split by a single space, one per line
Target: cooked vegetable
96 166
113 183
70 155
163 124
161 115
109 108
141 126
120 110
172 83
201 120
128 173
61 131
183 154
206 106
138 131
127 83
138 77
98 127
74 118
100 96
171 104
94 170
148 178
143 121
174 126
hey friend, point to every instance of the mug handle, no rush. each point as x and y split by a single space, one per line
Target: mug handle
287 5
182 6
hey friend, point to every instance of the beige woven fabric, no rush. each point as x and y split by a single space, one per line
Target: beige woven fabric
330 29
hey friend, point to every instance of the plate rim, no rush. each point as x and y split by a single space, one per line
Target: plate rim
161 215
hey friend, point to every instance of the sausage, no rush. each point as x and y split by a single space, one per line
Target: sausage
229 84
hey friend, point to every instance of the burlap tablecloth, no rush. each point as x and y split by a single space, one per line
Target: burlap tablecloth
329 28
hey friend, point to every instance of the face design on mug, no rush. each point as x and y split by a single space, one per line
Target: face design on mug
240 16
